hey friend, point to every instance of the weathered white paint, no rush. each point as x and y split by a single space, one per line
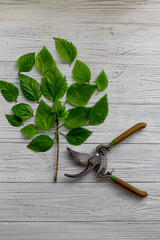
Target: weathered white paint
123 38
132 162
78 230
120 118
77 202
139 84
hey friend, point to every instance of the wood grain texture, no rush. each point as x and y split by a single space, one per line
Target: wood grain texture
120 118
80 230
99 43
78 202
122 37
132 162
94 11
140 84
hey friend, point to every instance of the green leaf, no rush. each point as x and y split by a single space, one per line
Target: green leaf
57 107
23 111
30 88
30 130
77 136
59 110
44 118
63 116
41 143
9 91
66 49
26 62
81 72
77 117
79 94
53 85
13 120
99 112
102 81
44 61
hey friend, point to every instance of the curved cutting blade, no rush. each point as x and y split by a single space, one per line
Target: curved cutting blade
93 162
88 169
81 158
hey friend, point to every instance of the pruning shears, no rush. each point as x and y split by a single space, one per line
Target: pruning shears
99 161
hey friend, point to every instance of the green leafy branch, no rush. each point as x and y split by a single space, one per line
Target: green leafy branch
53 87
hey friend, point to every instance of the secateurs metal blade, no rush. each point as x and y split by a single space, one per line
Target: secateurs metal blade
99 161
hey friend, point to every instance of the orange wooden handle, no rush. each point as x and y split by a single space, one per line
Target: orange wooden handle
129 132
129 187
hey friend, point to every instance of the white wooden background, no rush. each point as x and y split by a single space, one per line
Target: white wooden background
123 37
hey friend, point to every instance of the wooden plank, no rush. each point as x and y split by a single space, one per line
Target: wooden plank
123 11
78 230
127 84
78 202
120 118
132 162
97 43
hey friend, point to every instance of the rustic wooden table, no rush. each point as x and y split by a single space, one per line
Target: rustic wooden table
123 37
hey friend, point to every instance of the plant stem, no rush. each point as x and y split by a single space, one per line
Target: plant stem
62 134
51 132
57 137
65 102
54 138
97 92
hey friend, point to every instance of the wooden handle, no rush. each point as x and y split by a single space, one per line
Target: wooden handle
129 187
127 133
